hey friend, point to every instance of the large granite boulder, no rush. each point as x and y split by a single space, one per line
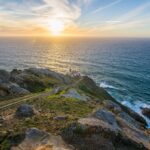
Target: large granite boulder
36 139
107 117
134 115
25 110
106 131
125 113
146 112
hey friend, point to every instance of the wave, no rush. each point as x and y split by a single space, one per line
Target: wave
127 100
104 85
137 107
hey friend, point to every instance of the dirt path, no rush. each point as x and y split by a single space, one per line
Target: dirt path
14 102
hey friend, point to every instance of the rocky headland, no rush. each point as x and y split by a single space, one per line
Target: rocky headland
44 110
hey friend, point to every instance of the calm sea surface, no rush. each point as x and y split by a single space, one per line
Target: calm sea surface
121 66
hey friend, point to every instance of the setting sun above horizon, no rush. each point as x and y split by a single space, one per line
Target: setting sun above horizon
100 18
56 27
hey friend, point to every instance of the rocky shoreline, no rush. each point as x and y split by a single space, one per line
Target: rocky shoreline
67 112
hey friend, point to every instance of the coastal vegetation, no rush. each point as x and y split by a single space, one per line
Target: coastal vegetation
44 110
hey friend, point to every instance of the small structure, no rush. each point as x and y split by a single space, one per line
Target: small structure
74 73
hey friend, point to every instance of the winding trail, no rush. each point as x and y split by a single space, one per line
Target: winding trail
13 102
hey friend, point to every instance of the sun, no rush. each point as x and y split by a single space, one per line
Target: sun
56 27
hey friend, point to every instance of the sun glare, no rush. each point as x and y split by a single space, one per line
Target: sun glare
56 27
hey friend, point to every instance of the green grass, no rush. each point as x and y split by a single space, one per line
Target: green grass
67 105
50 107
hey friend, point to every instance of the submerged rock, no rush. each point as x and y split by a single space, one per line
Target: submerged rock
25 110
146 112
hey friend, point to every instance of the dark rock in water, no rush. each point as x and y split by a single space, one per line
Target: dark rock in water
4 76
25 110
146 112
134 115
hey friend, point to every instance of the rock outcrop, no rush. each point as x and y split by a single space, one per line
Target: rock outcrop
21 82
107 130
89 86
36 139
82 115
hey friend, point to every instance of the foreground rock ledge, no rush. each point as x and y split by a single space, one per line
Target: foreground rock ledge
36 139
107 125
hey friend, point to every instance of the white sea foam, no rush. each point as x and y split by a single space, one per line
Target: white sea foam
136 106
103 84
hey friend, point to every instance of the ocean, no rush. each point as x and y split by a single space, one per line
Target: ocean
120 65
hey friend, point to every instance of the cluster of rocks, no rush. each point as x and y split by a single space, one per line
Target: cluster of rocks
8 87
20 82
111 127
108 128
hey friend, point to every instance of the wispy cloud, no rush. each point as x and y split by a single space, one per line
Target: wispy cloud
30 12
106 6
135 12
126 20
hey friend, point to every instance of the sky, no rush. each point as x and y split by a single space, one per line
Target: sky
104 18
